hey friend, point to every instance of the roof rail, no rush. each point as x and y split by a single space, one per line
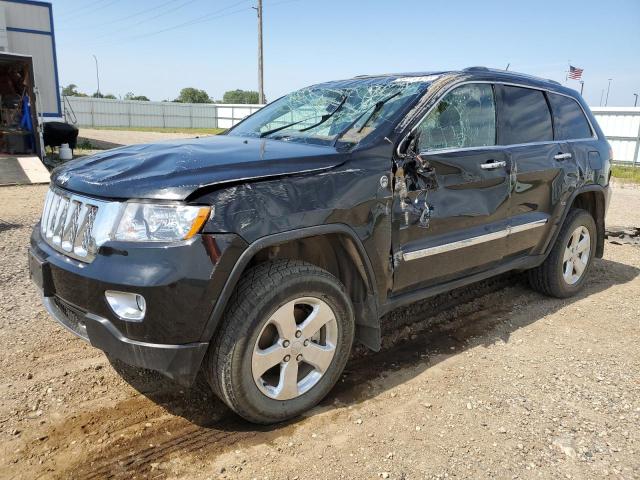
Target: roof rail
485 69
476 69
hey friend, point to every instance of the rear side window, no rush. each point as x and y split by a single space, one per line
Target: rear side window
568 118
524 116
465 117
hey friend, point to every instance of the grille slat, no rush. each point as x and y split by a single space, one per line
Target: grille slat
68 224
55 201
61 214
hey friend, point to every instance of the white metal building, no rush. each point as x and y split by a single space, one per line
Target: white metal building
29 93
26 27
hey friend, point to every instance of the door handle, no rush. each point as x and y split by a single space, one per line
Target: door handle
492 165
562 156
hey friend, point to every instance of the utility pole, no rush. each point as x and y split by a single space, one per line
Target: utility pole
97 74
606 102
260 59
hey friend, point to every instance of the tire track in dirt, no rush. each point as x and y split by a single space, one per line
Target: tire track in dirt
156 437
139 456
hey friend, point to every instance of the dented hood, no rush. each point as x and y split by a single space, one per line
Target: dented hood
174 170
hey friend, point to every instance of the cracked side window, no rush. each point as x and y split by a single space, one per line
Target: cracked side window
465 117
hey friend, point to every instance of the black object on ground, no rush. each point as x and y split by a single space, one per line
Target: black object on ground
57 133
623 235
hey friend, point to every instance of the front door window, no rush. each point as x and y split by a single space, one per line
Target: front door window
465 117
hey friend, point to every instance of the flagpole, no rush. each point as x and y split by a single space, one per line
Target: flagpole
581 86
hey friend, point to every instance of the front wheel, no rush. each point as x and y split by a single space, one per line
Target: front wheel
285 340
564 271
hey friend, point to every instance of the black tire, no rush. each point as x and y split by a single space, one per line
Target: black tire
260 292
548 277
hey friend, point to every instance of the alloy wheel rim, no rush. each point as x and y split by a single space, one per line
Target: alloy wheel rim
576 255
294 348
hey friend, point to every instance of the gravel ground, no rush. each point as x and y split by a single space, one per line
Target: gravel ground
114 138
625 207
507 384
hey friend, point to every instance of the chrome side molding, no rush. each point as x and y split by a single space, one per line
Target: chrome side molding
468 242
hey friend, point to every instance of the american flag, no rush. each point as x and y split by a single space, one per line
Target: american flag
575 73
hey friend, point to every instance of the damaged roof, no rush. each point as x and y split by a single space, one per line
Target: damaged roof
494 73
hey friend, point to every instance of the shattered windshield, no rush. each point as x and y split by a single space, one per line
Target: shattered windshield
345 111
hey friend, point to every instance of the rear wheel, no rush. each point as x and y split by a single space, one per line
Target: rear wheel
285 340
564 271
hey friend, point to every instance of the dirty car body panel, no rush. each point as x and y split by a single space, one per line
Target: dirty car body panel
392 227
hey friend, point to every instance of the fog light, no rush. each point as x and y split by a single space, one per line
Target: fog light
127 306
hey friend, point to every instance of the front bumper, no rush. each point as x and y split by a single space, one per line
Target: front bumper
179 362
180 283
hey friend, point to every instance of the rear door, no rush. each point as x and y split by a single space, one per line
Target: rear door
453 223
581 154
525 128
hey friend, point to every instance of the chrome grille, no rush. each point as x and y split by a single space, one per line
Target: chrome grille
69 223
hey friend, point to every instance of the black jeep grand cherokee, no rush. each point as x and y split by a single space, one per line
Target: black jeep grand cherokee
259 256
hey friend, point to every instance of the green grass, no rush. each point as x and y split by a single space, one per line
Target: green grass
630 174
201 131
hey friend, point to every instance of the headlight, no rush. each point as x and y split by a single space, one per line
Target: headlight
148 222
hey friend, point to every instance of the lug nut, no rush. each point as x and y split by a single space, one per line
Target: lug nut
299 357
306 343
285 344
298 334
287 358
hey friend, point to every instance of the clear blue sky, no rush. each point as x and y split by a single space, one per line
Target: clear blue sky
155 48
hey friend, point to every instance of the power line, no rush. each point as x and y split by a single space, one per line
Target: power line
145 20
85 8
210 16
118 20
283 2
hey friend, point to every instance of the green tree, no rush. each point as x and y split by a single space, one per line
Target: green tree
132 96
193 95
71 90
110 96
240 96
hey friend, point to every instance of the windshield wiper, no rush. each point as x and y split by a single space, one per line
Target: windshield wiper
274 130
327 116
323 119
379 104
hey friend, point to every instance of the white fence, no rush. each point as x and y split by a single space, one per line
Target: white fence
621 126
99 112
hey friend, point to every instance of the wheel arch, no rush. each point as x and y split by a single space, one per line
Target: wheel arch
591 198
334 247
